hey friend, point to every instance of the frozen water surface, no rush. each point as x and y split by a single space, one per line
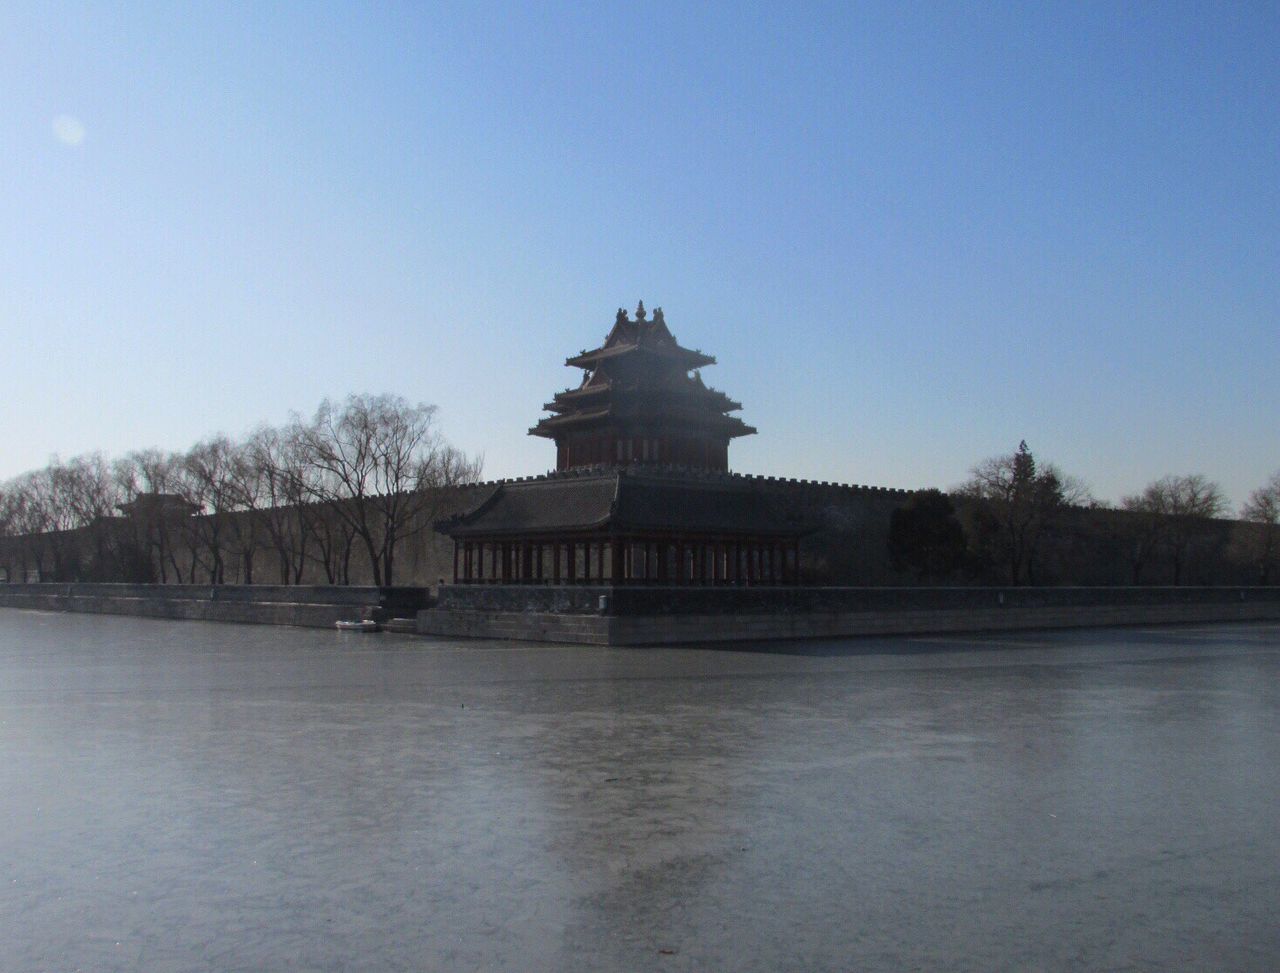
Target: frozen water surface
184 796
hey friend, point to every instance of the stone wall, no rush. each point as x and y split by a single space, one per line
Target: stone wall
307 606
663 616
849 547
731 600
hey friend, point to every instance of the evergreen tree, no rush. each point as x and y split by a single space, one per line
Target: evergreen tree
925 537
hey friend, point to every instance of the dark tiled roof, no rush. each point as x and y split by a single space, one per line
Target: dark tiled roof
624 501
691 505
538 506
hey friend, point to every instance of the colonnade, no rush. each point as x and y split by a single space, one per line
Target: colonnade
675 560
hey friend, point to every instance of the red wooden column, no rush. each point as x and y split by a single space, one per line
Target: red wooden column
555 563
455 562
572 563
616 568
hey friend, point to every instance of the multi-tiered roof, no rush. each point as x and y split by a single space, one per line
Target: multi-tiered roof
641 400
642 497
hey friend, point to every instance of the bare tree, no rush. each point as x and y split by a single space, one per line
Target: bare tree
50 517
1018 501
8 511
1172 514
8 533
1263 510
334 539
276 473
382 464
90 492
150 482
214 485
26 519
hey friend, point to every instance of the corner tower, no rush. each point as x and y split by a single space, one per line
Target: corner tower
638 403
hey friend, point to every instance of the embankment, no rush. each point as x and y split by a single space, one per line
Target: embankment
311 606
665 616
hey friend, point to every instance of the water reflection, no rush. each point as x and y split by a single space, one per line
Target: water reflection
247 798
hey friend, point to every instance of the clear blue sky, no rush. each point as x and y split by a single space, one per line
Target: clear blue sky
913 234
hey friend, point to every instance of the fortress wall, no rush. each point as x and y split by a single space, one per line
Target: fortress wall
850 546
305 606
666 617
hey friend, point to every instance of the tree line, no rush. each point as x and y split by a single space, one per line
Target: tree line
303 500
997 525
356 480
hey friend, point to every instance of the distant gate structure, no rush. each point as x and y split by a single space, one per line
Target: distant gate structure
642 493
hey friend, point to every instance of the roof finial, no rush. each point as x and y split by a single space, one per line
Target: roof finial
622 315
657 316
640 311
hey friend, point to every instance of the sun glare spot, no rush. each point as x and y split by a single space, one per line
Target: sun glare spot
69 130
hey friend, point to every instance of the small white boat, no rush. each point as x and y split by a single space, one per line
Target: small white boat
367 625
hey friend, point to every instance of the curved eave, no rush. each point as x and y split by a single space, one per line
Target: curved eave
590 359
580 398
730 426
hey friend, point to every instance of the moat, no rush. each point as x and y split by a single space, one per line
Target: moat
190 796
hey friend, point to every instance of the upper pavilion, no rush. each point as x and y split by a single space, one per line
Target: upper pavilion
638 403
